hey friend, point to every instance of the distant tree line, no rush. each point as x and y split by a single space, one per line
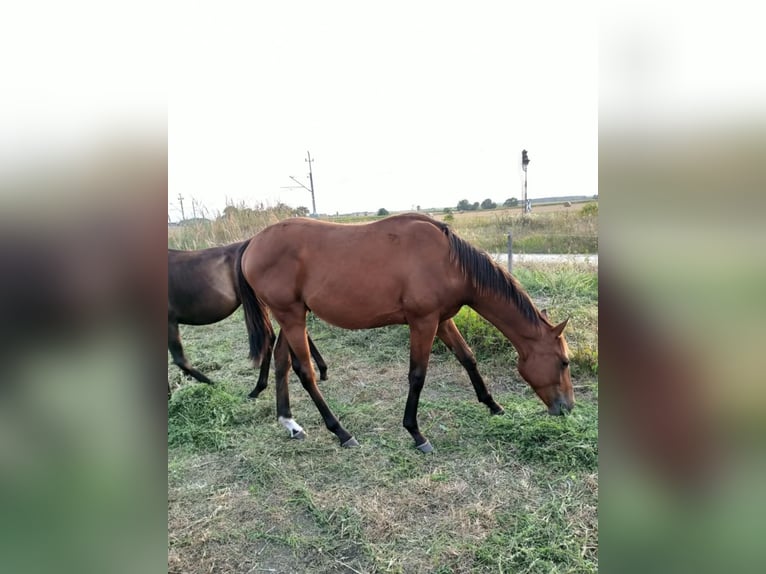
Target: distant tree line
241 211
465 205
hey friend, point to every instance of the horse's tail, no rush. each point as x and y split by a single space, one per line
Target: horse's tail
257 320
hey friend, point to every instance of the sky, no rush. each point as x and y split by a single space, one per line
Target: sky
401 104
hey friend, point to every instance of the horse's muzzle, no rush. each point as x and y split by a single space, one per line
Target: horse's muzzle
560 406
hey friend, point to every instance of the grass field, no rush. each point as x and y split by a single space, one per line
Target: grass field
515 493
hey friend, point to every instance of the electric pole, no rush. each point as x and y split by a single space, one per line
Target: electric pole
181 200
311 182
524 162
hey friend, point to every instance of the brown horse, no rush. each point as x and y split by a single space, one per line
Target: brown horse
203 289
406 269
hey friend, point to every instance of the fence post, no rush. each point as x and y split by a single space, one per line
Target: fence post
510 251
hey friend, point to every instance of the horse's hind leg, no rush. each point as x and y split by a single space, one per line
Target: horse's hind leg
263 375
449 334
294 329
282 369
321 365
177 352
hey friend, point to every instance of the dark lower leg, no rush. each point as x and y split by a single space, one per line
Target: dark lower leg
263 374
321 365
417 378
422 334
298 341
179 359
330 420
450 335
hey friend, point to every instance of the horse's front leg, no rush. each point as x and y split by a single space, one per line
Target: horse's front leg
422 333
450 335
294 329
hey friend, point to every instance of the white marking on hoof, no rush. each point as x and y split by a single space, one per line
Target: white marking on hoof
296 430
350 443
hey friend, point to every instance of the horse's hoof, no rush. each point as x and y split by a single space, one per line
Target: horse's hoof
500 412
300 435
323 376
425 447
349 443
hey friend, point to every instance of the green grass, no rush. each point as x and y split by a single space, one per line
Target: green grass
515 493
201 415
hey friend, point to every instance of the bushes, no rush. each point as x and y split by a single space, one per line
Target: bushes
483 338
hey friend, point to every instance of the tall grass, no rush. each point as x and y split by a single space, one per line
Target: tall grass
549 232
237 223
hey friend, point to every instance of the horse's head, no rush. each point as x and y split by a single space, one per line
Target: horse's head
545 366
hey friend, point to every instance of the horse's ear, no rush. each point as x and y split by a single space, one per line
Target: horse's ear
544 313
558 329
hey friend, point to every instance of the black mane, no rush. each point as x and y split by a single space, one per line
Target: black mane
487 276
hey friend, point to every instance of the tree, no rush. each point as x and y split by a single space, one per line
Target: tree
302 211
488 204
475 206
382 211
511 202
230 211
463 205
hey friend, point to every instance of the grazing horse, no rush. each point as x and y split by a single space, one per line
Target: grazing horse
405 269
203 289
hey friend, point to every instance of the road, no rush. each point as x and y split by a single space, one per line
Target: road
587 258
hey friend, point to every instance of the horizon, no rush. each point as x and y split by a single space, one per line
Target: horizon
372 212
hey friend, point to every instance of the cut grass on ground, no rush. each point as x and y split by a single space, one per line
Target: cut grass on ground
516 493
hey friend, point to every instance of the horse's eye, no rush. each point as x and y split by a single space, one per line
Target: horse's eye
564 363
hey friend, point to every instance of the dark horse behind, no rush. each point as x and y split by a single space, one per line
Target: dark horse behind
203 289
405 269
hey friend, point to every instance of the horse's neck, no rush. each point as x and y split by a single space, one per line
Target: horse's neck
504 315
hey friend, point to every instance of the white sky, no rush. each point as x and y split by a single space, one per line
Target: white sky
400 103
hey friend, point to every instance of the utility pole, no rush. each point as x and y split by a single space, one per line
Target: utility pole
524 162
181 200
311 182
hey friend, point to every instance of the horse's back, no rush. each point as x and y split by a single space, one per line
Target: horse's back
353 275
202 284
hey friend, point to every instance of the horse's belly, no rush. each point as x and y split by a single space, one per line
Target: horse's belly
353 317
